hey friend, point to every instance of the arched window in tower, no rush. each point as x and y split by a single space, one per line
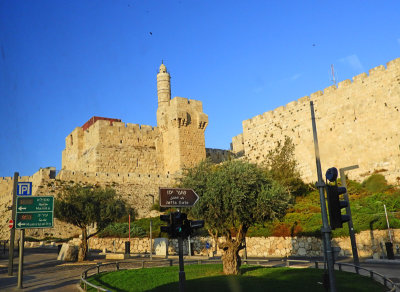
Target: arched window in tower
72 140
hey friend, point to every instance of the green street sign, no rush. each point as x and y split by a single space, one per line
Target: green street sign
34 212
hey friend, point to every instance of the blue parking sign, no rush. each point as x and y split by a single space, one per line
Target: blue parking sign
24 189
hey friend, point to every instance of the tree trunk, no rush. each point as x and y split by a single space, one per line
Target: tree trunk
83 248
231 247
231 259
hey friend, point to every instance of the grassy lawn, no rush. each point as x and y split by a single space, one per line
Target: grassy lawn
210 278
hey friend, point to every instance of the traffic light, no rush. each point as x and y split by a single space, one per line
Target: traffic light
335 205
179 222
170 227
179 225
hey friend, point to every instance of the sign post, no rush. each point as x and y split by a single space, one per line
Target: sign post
12 233
178 198
31 212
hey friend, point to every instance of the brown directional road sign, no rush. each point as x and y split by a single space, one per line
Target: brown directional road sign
177 197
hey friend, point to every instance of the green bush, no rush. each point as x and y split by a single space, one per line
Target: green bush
366 208
122 230
375 183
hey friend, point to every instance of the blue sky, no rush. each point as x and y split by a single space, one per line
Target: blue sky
63 62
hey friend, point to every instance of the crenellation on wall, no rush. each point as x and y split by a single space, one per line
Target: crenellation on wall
291 104
393 65
376 70
344 84
316 95
330 89
360 77
303 100
363 115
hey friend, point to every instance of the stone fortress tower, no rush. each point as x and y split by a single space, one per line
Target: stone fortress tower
107 145
181 123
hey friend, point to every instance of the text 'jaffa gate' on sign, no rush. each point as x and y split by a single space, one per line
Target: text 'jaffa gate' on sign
174 197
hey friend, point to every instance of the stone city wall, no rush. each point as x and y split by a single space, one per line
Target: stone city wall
369 244
43 184
218 155
116 147
135 188
357 123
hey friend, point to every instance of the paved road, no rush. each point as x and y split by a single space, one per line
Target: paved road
42 272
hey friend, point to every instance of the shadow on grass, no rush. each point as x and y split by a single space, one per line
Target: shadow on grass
276 280
252 278
246 269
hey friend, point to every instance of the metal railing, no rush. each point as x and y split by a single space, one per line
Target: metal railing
386 282
117 266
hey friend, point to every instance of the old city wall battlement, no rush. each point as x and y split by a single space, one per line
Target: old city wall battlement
112 134
130 147
104 177
357 123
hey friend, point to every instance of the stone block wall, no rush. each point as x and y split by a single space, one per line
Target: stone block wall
116 147
182 124
218 155
356 120
369 244
135 188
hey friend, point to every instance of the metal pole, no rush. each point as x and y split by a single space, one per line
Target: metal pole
245 248
387 221
21 260
129 228
348 212
181 265
189 247
151 239
326 230
12 232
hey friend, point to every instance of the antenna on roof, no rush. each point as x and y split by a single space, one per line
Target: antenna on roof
333 74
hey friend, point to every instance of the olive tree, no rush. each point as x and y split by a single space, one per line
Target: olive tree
85 205
234 196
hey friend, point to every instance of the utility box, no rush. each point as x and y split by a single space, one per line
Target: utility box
161 246
389 250
127 247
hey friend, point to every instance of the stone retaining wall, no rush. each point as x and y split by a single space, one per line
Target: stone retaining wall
369 244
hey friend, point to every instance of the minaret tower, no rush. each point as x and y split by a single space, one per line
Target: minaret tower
163 86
